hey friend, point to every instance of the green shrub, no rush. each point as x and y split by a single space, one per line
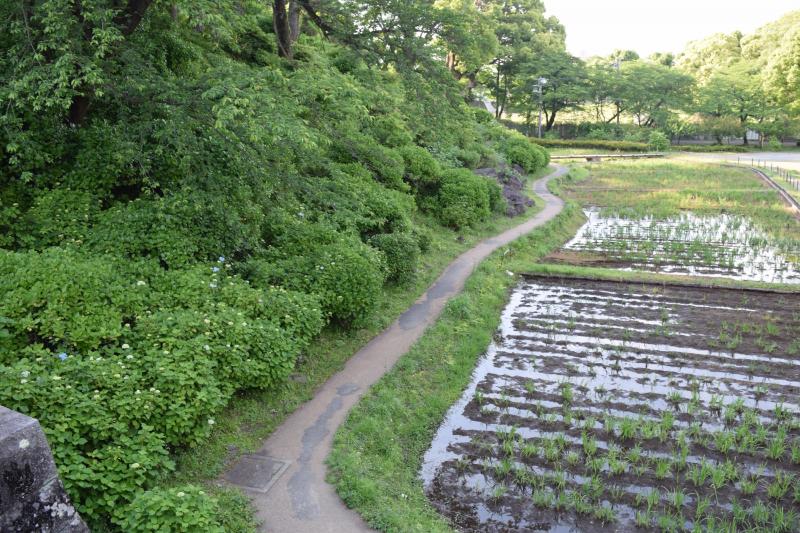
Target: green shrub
464 198
402 255
774 145
60 298
519 150
599 144
123 361
179 229
700 148
184 509
658 141
385 163
423 237
391 131
58 216
468 158
350 200
422 170
346 274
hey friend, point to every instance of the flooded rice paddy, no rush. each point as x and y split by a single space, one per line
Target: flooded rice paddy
722 245
604 406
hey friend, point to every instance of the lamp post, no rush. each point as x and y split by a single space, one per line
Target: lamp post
540 83
617 63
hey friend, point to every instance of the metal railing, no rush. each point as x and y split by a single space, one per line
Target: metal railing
790 178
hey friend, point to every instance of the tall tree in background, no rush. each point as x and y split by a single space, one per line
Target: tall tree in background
522 31
566 87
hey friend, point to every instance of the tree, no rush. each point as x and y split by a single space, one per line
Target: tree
566 86
651 91
286 23
783 71
468 38
702 58
522 31
734 91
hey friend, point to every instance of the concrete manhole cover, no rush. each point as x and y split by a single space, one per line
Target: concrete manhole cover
256 472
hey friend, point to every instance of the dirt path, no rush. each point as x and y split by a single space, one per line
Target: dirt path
286 477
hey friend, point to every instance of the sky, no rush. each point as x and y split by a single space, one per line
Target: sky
598 27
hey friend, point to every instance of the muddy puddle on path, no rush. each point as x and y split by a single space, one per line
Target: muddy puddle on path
603 404
721 245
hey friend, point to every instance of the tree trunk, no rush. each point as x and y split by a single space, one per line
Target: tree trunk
78 109
294 20
450 61
528 121
280 22
497 96
551 120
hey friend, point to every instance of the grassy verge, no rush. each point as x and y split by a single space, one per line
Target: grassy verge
378 452
654 277
789 186
253 415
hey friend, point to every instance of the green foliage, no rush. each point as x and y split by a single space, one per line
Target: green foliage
520 151
385 162
658 141
345 274
422 170
120 361
712 148
465 198
183 509
618 146
390 130
136 151
402 255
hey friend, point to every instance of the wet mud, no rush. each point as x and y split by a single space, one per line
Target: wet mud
606 406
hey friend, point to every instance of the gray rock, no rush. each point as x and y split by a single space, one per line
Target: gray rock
32 497
510 178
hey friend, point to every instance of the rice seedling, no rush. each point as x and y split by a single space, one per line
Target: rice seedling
662 468
780 485
604 514
677 499
777 446
542 498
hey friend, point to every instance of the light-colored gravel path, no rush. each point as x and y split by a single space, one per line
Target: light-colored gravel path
289 470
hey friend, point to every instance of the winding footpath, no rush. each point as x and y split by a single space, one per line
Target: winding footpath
291 494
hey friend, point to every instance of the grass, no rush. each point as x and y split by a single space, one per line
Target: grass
654 277
253 415
790 186
377 453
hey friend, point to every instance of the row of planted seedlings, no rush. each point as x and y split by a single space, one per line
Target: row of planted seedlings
711 244
705 464
658 424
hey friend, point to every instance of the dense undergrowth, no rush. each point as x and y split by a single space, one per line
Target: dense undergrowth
218 207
